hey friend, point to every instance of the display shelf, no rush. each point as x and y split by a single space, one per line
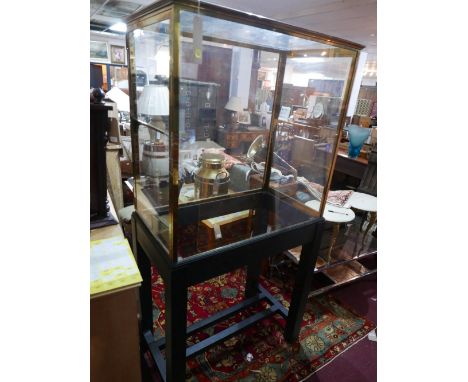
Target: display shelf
343 272
321 265
327 288
348 262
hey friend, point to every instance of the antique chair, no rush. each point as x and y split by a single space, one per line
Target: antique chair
368 184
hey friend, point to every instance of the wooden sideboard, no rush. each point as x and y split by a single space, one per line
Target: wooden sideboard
235 139
354 167
115 348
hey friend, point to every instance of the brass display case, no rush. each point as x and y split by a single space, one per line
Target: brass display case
234 129
216 80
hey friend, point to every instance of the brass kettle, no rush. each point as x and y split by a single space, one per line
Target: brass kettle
211 178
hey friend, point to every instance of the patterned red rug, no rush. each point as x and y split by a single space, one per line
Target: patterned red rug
260 352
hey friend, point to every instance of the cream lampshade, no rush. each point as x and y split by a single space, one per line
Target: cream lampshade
234 106
154 101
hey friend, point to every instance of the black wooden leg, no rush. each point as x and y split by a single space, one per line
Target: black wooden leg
253 274
176 328
146 299
302 286
254 268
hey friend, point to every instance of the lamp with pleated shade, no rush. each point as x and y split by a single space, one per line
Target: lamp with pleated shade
154 101
153 105
234 106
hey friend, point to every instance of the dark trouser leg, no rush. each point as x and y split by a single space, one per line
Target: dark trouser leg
302 286
176 329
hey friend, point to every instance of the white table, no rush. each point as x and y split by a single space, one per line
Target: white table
366 203
335 215
363 202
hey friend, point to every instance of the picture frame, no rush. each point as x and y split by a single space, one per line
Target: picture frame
284 113
99 51
299 112
243 117
117 54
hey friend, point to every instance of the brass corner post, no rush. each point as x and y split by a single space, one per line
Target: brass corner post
274 118
174 131
341 122
133 113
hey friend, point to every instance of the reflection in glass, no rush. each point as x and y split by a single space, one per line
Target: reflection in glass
311 103
119 77
149 57
225 99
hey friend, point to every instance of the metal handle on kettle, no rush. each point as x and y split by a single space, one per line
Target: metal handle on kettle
216 183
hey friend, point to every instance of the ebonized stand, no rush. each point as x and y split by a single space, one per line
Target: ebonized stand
299 229
99 124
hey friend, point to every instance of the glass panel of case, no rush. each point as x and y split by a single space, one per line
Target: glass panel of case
312 96
227 88
149 59
225 100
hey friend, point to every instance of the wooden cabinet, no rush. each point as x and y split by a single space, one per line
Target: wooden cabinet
235 139
198 103
114 342
115 348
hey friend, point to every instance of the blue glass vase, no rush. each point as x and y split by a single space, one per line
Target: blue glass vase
357 137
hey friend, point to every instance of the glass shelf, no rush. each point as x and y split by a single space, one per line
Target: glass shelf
348 261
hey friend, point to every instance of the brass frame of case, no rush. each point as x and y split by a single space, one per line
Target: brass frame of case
170 9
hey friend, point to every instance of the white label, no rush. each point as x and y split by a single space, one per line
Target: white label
197 39
217 231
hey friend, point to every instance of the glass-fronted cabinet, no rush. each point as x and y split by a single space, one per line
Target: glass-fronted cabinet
225 105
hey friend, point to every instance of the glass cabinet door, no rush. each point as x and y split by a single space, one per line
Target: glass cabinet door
149 60
312 94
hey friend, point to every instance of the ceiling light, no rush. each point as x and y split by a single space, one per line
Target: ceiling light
118 27
324 53
305 55
138 33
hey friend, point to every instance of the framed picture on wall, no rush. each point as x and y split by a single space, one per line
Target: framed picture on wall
99 51
284 113
117 54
